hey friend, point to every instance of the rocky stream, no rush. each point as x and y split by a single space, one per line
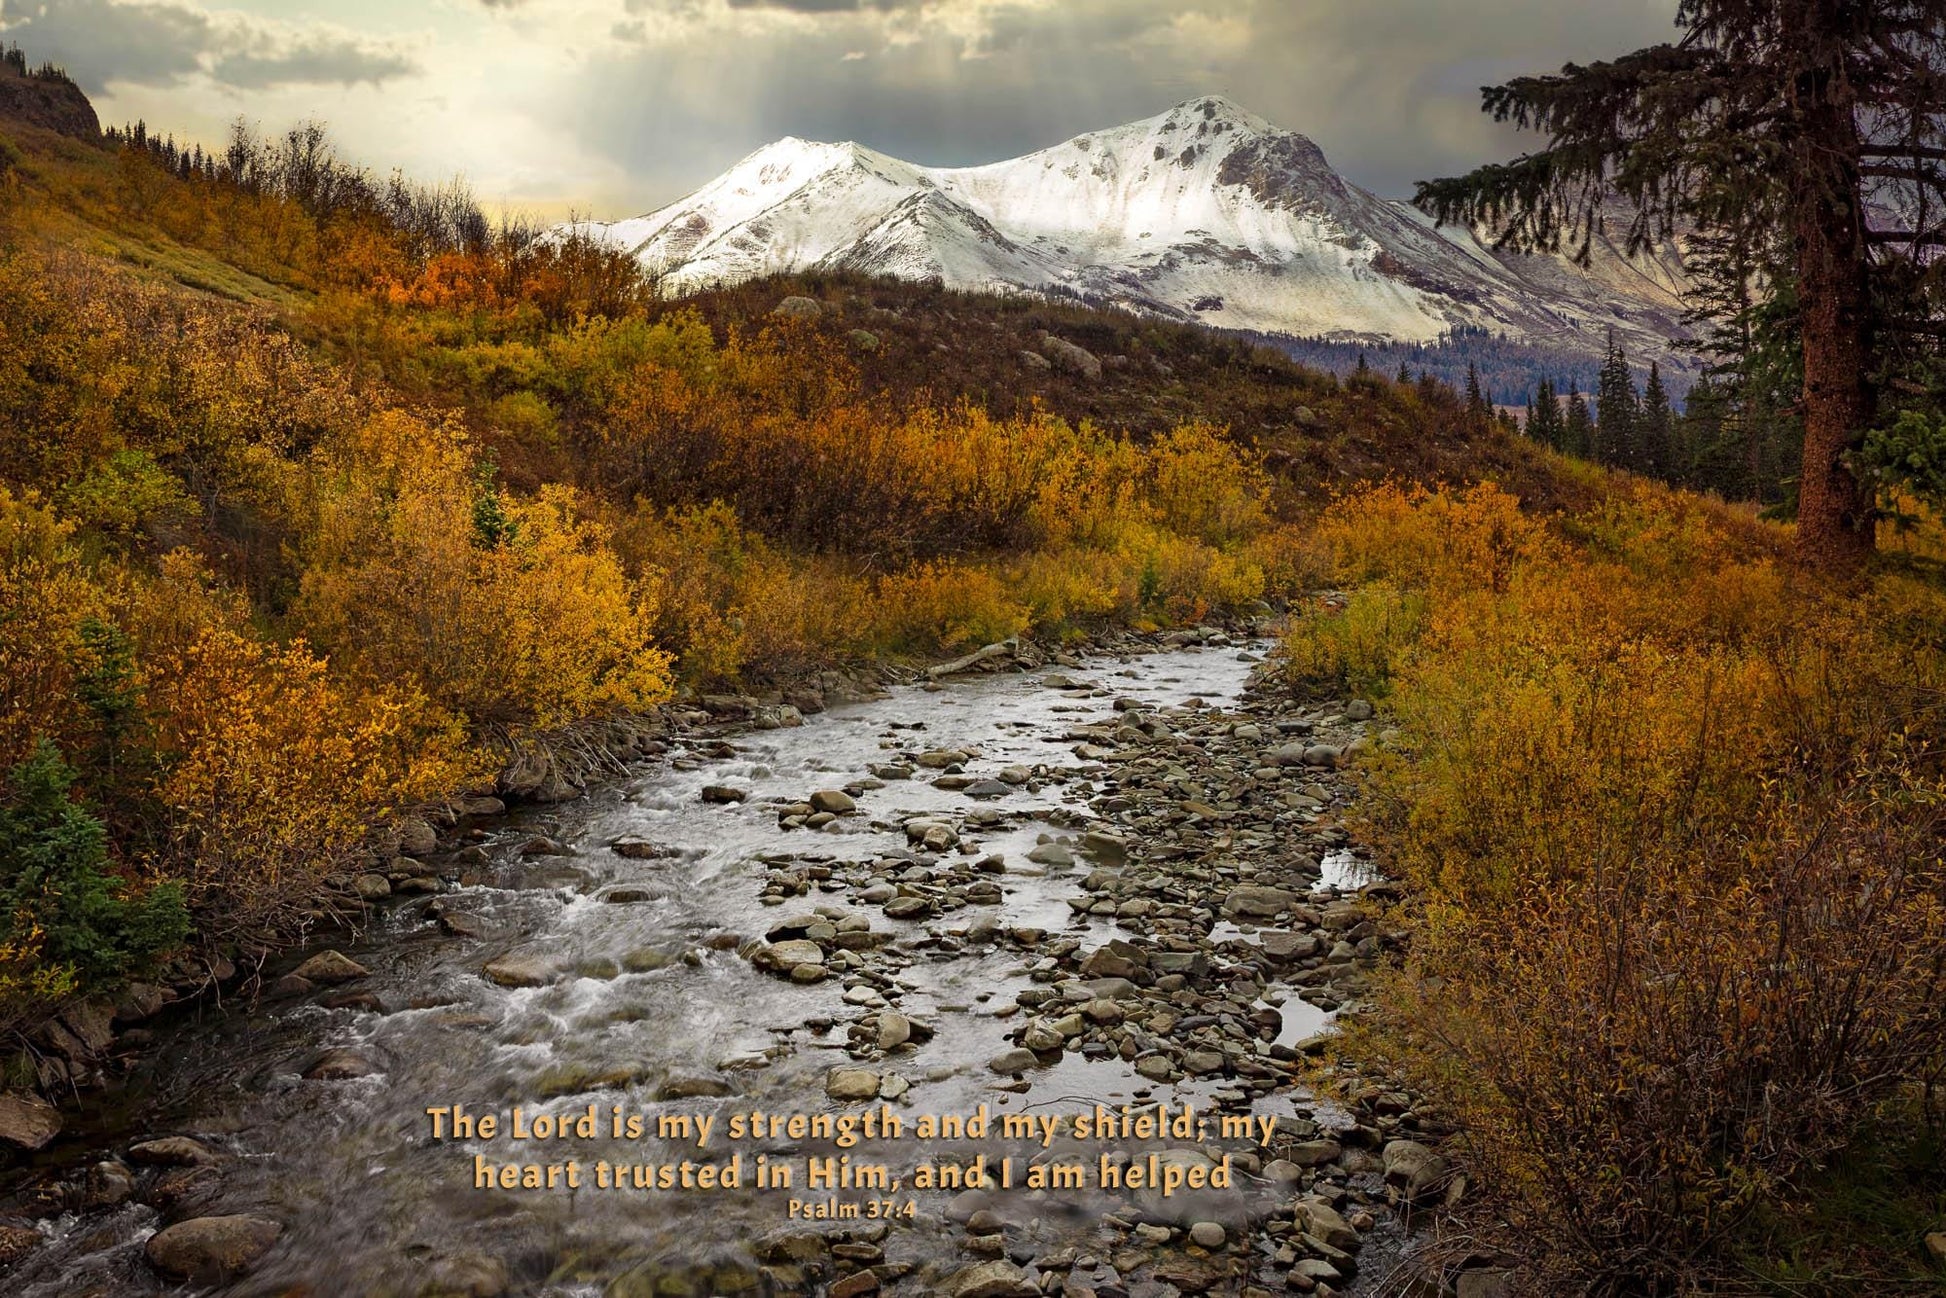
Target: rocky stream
1036 885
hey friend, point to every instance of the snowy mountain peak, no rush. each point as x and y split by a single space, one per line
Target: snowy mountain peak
1205 212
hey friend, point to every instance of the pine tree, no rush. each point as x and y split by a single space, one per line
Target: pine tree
1655 424
1476 402
1768 126
1577 425
1615 411
1546 427
56 881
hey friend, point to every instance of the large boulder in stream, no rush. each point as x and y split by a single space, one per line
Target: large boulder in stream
27 1121
211 1250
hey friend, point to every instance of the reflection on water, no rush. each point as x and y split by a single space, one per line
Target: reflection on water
655 1001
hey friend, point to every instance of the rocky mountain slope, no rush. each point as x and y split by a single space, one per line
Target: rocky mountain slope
1206 213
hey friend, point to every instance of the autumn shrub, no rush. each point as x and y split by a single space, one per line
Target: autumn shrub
1671 823
502 611
941 606
1351 646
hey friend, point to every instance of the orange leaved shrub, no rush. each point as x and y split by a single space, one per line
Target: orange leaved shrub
1672 826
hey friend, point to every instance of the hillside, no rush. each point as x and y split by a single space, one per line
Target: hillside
324 497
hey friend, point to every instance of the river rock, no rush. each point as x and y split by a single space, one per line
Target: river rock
519 971
1316 1217
996 1279
211 1250
639 849
798 307
1284 947
1314 1153
109 1184
139 1001
851 1084
331 967
171 1151
339 1064
782 957
1018 1060
1116 960
1415 1169
372 887
724 794
1208 1234
1042 1037
27 1121
894 1030
835 801
416 837
1253 901
1358 710
692 1088
1054 854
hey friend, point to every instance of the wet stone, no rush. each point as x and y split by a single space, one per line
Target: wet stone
340 1065
171 1151
851 1084
519 971
211 1250
331 967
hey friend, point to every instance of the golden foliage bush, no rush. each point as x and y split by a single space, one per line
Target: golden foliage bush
271 771
501 611
1672 823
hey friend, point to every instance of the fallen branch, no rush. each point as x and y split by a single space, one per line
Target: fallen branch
1005 649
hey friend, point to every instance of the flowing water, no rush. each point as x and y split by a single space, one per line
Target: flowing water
371 1203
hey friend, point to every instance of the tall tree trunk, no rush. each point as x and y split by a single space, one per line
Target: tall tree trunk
1834 513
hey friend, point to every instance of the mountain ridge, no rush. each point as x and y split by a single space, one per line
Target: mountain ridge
1206 212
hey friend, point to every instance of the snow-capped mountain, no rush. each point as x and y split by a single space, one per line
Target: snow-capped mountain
1206 213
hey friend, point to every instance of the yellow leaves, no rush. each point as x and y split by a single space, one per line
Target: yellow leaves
273 771
45 594
1674 829
1204 486
534 623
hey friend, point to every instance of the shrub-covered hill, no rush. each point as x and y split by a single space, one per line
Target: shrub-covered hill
918 342
318 493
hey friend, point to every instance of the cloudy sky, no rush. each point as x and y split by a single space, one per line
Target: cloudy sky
612 107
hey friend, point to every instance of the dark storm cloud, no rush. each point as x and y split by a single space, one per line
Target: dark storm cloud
159 43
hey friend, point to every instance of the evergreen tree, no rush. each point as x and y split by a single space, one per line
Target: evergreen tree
1577 425
1476 402
1655 427
1615 412
1771 125
55 882
1546 425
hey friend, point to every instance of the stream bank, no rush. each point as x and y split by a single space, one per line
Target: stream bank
1124 880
